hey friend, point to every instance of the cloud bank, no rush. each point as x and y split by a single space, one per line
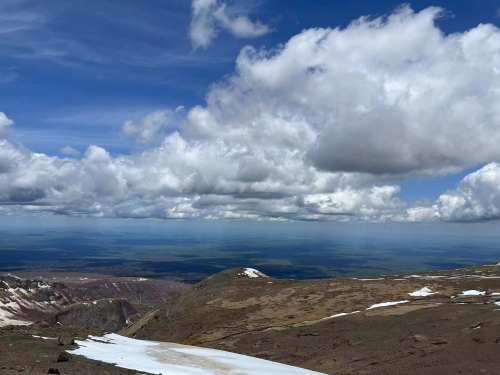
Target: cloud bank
323 138
209 17
476 198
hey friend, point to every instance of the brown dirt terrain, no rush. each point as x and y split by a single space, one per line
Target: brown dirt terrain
21 353
298 323
291 322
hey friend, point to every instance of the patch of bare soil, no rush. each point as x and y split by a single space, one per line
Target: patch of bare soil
343 326
22 353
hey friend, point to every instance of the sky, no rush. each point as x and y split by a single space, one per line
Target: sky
258 109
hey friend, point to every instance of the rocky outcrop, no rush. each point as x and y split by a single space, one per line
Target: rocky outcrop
143 293
108 315
25 301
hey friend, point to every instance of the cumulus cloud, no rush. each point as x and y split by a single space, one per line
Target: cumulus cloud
153 126
5 124
211 16
181 179
386 96
322 138
476 198
70 151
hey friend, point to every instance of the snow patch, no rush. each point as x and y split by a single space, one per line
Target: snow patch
430 277
19 297
44 338
423 292
174 359
340 315
473 292
252 273
7 319
386 304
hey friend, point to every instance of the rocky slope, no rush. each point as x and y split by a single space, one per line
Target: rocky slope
105 303
41 318
109 315
440 323
142 293
25 301
445 323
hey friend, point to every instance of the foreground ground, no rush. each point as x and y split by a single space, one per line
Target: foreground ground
444 323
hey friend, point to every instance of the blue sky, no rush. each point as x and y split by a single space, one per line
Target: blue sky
73 72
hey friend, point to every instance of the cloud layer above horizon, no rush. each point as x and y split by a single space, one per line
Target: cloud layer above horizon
327 137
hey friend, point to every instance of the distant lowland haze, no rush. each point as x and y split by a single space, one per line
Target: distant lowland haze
196 249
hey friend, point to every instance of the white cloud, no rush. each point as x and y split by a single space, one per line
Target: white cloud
151 128
5 124
211 16
322 138
70 151
477 197
367 203
203 27
181 179
384 96
239 26
420 213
